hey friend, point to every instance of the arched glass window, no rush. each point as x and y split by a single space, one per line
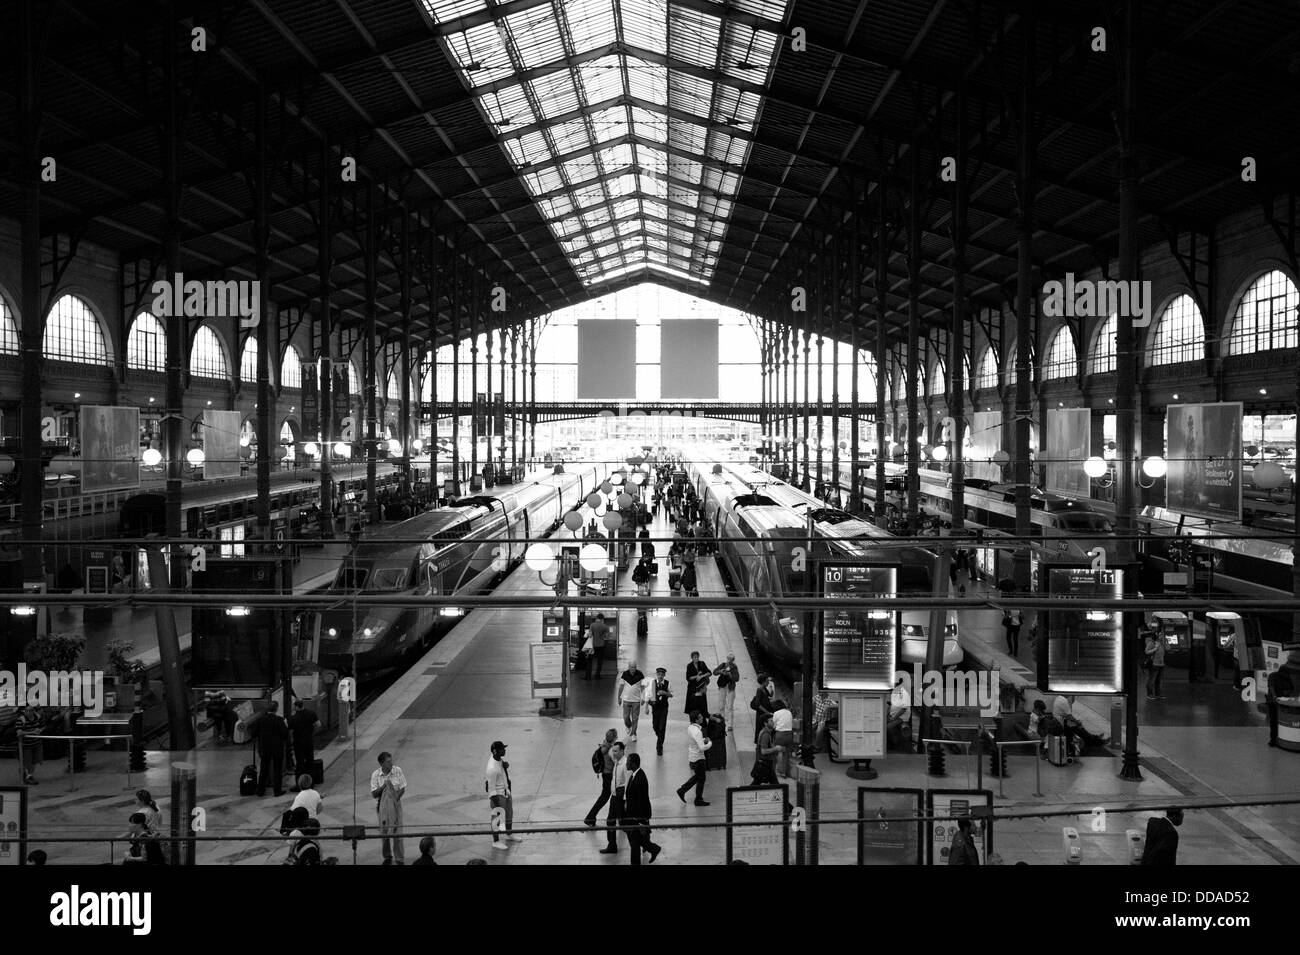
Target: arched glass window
354 379
920 381
207 358
988 377
8 330
291 369
1180 333
1062 357
938 385
1266 317
72 333
248 361
146 346
395 383
1102 358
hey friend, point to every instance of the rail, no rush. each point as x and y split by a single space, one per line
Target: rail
1038 772
72 750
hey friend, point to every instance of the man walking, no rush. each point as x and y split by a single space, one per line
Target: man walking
728 675
631 686
1011 622
1161 847
606 776
303 725
618 791
660 694
497 786
697 746
272 734
599 631
637 812
387 785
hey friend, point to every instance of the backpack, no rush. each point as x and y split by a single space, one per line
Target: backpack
598 761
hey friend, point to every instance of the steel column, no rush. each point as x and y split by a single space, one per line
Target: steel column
1025 187
911 369
266 440
957 338
882 361
325 370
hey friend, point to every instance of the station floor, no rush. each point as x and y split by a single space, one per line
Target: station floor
473 687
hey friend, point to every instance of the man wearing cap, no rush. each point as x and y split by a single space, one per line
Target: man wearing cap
631 685
657 697
497 785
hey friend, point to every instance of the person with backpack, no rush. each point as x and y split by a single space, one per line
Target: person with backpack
602 764
143 848
765 753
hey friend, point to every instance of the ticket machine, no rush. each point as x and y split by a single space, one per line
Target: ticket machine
1178 633
1223 628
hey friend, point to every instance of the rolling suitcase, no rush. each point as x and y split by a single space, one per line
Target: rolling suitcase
1058 751
317 772
248 780
675 580
716 755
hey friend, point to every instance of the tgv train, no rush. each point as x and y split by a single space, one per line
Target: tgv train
460 549
920 571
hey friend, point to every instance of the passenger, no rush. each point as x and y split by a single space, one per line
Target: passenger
783 725
631 686
617 793
606 777
647 545
697 746
306 850
728 675
823 706
303 725
1281 685
144 848
689 581
1012 621
963 851
497 786
222 714
1036 718
641 577
428 846
152 815
637 812
271 733
660 694
599 632
29 722
1062 710
37 857
307 798
387 786
1161 847
1155 646
900 718
762 701
765 753
697 685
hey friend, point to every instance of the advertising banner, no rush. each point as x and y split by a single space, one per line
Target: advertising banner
858 647
975 803
310 403
1083 651
110 448
883 837
985 440
221 444
1069 443
1203 452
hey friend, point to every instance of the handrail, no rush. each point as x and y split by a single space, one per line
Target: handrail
1038 772
72 772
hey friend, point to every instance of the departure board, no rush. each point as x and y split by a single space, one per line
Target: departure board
858 641
1084 647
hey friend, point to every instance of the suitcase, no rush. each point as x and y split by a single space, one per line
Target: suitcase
675 581
248 780
317 772
654 568
1058 751
716 755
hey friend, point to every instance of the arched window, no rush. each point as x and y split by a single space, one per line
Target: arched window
207 358
291 369
8 330
1062 357
920 381
1010 365
1266 317
1102 357
354 379
248 361
146 346
72 333
988 377
395 383
938 386
1180 333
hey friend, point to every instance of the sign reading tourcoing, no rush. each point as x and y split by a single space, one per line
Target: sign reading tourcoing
858 648
1084 647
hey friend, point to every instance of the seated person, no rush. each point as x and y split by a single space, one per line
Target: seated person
900 715
1062 711
1036 718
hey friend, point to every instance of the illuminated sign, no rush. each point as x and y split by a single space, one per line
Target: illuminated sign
1083 652
858 642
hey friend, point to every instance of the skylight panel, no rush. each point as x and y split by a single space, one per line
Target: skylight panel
536 36
555 93
621 186
693 36
616 157
647 81
773 10
483 54
570 135
443 11
625 207
747 53
602 79
590 23
643 25
610 123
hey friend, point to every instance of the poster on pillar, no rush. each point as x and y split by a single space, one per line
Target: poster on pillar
343 400
498 414
221 444
310 403
481 413
110 448
1203 452
985 440
1069 444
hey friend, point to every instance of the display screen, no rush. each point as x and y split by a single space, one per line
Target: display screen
1084 646
885 837
858 643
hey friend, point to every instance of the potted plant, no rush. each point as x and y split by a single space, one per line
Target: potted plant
51 652
128 673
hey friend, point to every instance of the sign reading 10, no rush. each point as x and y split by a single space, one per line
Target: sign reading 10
834 575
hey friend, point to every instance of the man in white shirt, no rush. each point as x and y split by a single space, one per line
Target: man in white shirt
618 792
631 686
783 728
387 785
697 746
307 797
497 785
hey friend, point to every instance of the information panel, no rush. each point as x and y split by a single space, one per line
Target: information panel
976 803
862 725
548 669
1083 652
885 836
757 845
13 825
858 644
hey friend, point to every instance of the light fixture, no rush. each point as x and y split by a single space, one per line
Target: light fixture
1263 391
333 632
23 611
416 445
195 456
238 611
244 441
343 450
311 449
1110 401
1095 467
150 401
210 404
592 557
76 394
1268 476
940 453
1154 467
539 556
151 457
1175 397
451 612
394 446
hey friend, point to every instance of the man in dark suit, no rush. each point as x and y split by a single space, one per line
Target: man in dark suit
303 725
637 812
272 734
657 699
1162 839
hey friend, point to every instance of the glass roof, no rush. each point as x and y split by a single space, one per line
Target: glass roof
610 112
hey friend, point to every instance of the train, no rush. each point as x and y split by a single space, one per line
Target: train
451 550
921 572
